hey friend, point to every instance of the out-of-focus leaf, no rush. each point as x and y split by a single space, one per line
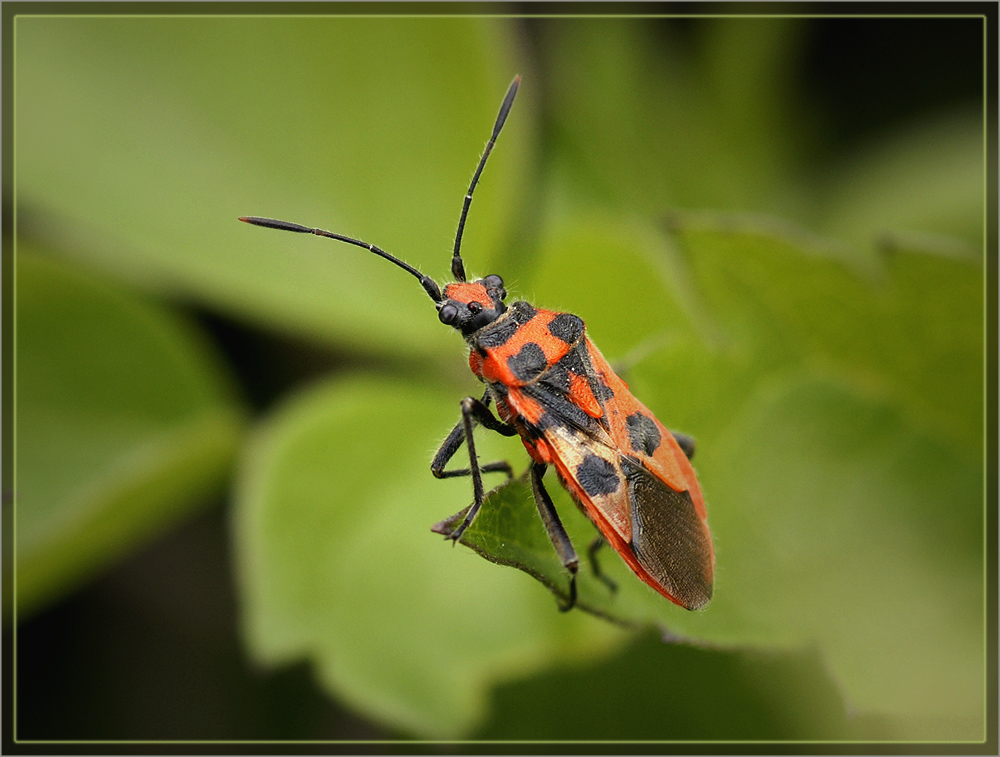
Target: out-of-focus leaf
129 155
838 511
653 691
910 328
124 422
647 120
337 563
838 523
842 475
757 124
927 181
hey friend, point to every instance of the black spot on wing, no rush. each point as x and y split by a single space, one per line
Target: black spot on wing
567 327
558 409
597 476
497 334
529 363
573 362
601 390
643 434
668 538
557 378
557 381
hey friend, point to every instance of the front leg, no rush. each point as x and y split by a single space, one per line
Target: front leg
473 411
454 440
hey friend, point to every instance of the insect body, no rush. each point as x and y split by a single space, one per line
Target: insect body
553 388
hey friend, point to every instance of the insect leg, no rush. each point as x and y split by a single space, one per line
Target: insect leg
473 410
595 566
554 528
454 441
685 442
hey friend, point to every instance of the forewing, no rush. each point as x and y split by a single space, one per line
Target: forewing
634 481
592 473
637 432
622 466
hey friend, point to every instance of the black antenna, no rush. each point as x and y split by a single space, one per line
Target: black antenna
429 285
457 267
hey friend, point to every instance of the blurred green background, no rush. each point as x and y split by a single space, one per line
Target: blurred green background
222 502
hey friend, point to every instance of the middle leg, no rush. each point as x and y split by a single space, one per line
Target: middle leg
458 435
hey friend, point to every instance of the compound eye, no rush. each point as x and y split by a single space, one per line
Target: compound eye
475 308
448 314
495 285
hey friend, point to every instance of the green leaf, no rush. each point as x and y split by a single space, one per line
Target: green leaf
844 521
646 119
836 417
839 524
925 181
507 532
908 326
337 563
125 421
369 126
653 691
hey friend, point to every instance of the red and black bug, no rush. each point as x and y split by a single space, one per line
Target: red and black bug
553 388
